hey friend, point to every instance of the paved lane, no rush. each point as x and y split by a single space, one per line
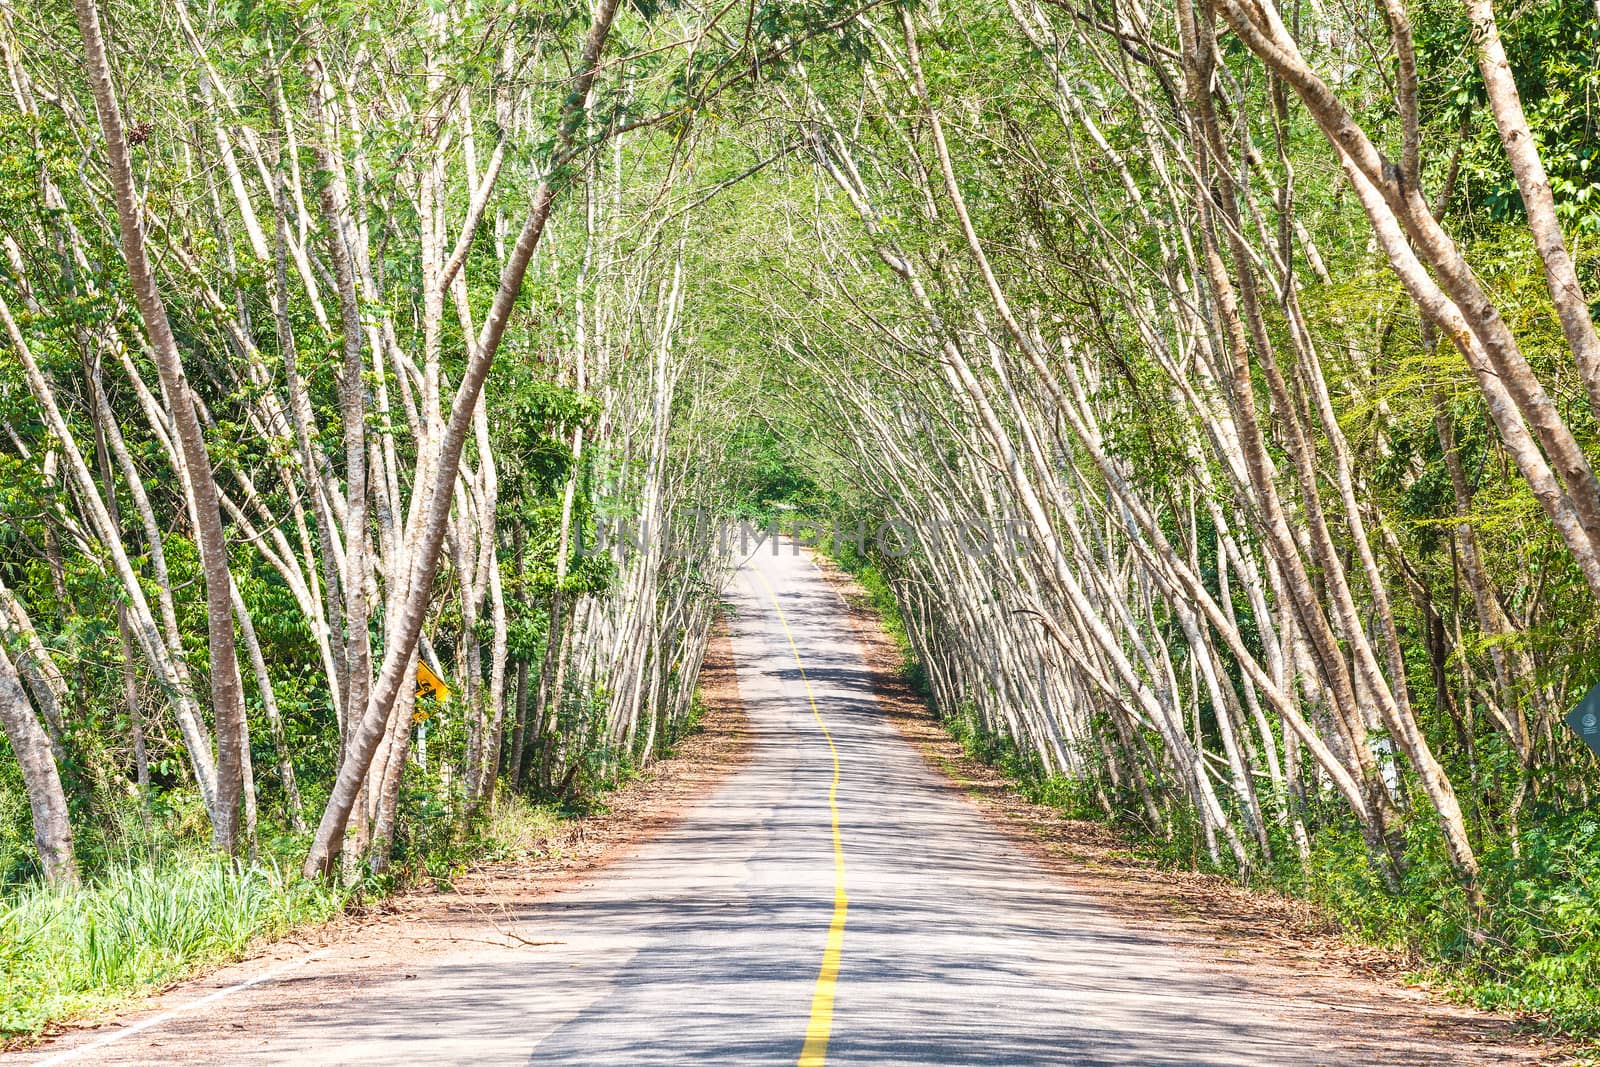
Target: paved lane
758 932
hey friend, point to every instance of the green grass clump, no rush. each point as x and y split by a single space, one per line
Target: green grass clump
69 952
516 828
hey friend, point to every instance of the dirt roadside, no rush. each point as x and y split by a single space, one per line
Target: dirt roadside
486 905
1260 937
634 813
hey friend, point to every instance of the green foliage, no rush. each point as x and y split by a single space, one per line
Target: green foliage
18 861
533 435
1553 48
1533 951
764 473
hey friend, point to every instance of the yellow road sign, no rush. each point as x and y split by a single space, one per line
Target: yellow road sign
431 684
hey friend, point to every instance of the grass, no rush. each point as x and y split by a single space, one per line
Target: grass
139 926
518 828
136 928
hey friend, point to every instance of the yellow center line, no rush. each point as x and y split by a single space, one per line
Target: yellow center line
815 1051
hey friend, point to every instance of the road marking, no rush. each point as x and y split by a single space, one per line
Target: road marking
814 1053
157 1020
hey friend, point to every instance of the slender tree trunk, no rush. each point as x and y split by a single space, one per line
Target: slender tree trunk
227 694
52 833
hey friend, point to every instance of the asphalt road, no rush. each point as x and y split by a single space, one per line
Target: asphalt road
833 901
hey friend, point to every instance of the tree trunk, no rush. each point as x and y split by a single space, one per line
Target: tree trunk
227 691
52 834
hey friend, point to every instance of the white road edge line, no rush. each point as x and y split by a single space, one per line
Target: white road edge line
157 1020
